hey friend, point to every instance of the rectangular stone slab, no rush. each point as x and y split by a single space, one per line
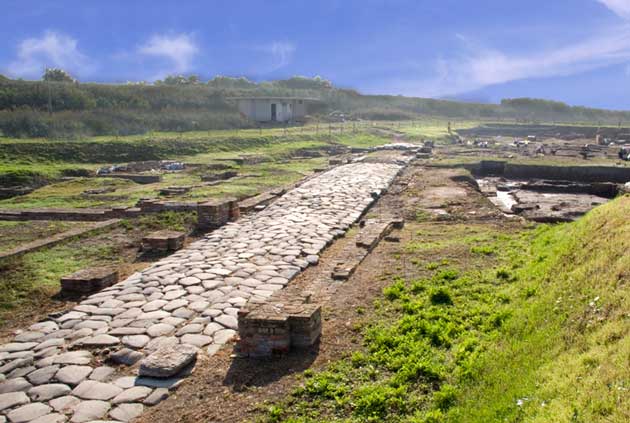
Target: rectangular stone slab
167 361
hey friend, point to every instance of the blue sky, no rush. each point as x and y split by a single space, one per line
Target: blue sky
576 51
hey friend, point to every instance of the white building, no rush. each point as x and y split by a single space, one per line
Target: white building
272 109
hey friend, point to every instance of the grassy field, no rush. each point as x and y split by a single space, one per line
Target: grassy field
41 160
23 160
70 193
503 326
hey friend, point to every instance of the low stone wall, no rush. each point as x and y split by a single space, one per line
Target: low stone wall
222 176
154 205
602 189
10 192
569 173
87 215
250 204
96 215
139 179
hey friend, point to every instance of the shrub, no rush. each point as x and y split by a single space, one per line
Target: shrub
440 296
445 397
375 402
432 266
418 286
485 250
446 275
395 291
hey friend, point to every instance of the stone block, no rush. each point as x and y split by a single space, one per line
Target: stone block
306 325
167 361
276 326
372 232
175 190
89 280
252 203
163 241
215 213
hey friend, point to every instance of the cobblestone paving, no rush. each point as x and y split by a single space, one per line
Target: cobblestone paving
51 372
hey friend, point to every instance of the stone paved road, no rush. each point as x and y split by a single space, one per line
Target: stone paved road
47 373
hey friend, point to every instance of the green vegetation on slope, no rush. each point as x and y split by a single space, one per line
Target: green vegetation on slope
564 355
531 327
67 109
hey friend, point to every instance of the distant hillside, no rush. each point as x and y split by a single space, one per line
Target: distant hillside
66 109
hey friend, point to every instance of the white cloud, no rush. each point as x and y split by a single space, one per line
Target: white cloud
481 66
179 49
619 7
53 49
279 54
282 53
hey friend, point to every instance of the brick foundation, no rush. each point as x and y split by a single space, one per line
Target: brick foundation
163 241
215 213
275 327
89 280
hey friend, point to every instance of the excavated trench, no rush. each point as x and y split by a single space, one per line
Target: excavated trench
546 193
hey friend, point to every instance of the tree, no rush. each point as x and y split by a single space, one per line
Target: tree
57 75
305 83
226 82
179 80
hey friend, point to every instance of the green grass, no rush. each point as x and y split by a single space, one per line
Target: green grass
564 354
28 161
529 327
421 334
69 194
27 282
13 234
32 278
435 129
540 161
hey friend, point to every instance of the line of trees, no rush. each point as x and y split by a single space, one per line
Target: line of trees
61 106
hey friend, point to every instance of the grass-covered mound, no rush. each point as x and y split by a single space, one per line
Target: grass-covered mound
564 355
526 327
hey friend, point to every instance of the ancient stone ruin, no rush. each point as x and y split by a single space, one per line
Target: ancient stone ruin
287 321
157 321
215 213
89 280
163 241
